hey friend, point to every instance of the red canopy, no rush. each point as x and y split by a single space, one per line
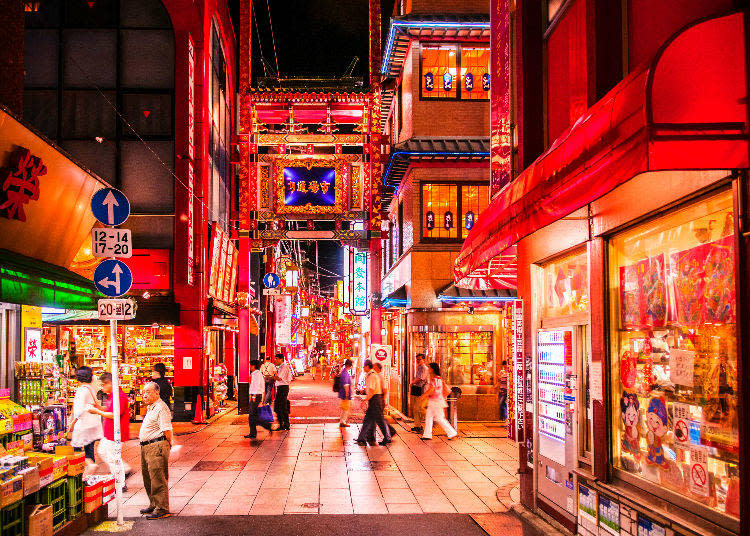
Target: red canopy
686 109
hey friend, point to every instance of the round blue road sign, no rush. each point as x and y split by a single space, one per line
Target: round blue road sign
113 278
110 206
271 280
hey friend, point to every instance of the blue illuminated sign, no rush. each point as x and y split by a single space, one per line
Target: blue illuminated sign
315 186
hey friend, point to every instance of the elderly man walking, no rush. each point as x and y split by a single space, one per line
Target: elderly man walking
156 442
374 412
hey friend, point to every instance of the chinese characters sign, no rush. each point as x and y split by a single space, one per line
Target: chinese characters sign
224 265
315 187
190 172
359 283
20 183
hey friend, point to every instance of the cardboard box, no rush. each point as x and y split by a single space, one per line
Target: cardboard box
38 520
76 463
31 480
11 491
91 504
43 462
92 495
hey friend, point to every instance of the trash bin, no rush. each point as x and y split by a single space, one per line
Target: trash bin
452 399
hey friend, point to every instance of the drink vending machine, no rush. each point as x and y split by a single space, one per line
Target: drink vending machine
556 416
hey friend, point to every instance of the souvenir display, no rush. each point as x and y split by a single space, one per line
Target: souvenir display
675 358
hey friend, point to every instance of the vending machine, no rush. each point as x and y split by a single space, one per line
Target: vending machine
556 416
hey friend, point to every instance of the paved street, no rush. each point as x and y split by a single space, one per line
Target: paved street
317 468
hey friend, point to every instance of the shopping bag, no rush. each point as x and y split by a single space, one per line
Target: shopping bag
265 413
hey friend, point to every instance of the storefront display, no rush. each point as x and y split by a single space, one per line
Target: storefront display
465 353
674 353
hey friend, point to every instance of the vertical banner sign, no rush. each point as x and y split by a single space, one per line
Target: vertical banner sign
347 279
191 157
518 372
359 283
283 313
500 134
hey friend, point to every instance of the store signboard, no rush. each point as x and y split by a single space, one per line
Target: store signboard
32 350
347 278
116 309
191 154
359 283
283 314
224 266
518 372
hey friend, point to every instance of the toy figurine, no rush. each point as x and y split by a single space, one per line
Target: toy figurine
631 419
656 422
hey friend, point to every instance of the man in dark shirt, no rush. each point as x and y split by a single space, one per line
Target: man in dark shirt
158 374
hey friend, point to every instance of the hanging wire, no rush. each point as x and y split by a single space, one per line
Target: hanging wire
273 39
260 44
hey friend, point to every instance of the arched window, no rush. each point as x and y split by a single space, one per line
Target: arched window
100 83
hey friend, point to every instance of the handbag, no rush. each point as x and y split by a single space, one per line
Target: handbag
265 413
415 390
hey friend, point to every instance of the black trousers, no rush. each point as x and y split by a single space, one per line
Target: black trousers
374 417
281 406
252 416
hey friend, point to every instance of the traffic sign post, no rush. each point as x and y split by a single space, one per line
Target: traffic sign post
110 206
111 243
271 280
113 278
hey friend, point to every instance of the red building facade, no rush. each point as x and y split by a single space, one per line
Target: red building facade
152 112
626 208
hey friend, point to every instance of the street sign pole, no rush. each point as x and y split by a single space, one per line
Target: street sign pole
118 469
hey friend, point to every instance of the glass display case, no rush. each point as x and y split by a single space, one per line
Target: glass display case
674 355
465 356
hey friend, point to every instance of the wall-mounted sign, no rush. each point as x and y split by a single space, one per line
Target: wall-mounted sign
224 264
310 185
32 344
190 246
518 372
347 277
587 504
429 81
448 220
609 515
429 220
19 183
469 223
359 283
469 81
646 527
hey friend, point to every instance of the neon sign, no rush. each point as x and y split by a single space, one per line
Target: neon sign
359 283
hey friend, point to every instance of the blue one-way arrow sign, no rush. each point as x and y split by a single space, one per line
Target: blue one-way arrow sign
113 278
110 206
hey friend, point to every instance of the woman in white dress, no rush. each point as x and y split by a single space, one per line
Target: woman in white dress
436 391
85 427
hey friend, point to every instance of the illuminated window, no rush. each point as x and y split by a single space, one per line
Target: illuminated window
455 72
474 199
439 211
475 72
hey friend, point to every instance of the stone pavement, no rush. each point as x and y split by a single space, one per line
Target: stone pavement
317 468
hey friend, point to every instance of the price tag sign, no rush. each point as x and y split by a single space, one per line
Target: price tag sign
111 243
117 309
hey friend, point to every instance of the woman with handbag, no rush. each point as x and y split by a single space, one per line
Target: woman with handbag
436 391
85 427
416 390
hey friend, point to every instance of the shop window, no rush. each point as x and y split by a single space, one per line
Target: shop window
474 200
465 357
566 286
439 211
674 355
455 72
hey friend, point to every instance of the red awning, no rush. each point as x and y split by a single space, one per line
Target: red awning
684 110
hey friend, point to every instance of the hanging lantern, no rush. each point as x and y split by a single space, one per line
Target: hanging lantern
447 81
429 81
486 82
430 220
448 220
469 223
469 81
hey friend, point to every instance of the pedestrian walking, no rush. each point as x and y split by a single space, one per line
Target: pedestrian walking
435 394
416 390
156 441
257 391
268 370
313 366
378 369
158 376
85 427
106 446
283 378
345 393
374 413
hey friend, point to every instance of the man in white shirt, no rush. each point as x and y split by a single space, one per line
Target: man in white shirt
268 370
283 378
257 388
156 441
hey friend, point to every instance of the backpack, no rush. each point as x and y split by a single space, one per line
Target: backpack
337 383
